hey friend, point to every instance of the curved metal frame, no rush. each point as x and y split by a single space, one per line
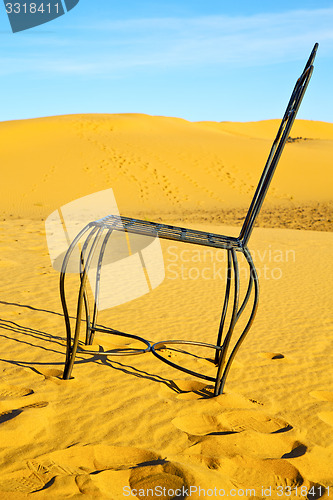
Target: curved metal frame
221 348
223 356
221 360
277 148
223 369
94 235
91 329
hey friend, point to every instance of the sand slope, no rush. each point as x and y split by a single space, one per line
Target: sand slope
158 165
133 422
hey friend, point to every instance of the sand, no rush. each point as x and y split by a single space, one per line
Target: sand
134 424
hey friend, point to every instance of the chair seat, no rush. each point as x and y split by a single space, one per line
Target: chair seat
165 231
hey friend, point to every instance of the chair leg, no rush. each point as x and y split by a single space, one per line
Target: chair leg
72 348
224 310
62 290
223 368
92 327
87 311
89 330
233 320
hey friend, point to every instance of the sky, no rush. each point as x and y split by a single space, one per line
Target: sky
193 59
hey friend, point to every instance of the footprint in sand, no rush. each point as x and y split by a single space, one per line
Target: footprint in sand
322 395
23 484
186 389
237 401
164 475
7 415
230 421
256 421
95 471
254 472
326 416
196 390
236 459
32 479
150 479
53 374
11 391
210 449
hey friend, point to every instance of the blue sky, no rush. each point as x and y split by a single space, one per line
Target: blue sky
194 59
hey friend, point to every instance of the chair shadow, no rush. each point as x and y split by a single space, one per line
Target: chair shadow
26 306
128 369
30 337
31 332
39 336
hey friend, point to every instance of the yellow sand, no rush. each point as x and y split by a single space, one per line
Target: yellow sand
157 165
134 422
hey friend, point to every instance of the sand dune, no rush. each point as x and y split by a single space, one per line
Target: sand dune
134 424
168 167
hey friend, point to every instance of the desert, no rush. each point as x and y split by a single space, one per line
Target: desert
132 426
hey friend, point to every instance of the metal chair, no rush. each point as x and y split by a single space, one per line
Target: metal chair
99 232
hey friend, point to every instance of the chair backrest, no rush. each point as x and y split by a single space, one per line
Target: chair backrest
277 148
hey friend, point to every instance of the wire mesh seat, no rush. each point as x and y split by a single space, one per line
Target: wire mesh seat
95 236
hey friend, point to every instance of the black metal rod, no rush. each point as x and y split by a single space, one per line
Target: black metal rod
165 231
72 354
247 296
62 288
233 321
221 382
85 295
158 345
126 351
277 148
224 309
272 164
87 310
97 286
